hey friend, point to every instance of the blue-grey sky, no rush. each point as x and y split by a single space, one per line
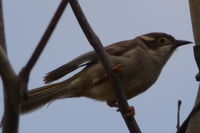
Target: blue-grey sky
112 20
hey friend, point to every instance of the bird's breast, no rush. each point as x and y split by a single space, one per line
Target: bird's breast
142 80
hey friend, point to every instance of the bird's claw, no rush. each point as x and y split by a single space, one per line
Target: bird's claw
130 111
112 104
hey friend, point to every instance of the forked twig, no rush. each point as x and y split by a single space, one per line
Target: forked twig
13 84
25 72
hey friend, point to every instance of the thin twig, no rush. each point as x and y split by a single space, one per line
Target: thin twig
114 77
178 114
25 72
183 127
2 32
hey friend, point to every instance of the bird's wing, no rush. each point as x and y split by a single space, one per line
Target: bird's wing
87 59
61 71
119 48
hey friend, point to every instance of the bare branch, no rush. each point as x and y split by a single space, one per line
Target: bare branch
24 74
178 114
10 119
2 35
195 17
192 123
114 77
14 85
6 71
11 95
192 114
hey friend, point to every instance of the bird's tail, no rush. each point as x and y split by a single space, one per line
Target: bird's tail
43 95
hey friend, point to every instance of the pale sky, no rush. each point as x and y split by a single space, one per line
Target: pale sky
112 20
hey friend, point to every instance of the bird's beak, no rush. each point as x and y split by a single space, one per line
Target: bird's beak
181 42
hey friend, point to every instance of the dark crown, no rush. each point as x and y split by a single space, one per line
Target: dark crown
155 40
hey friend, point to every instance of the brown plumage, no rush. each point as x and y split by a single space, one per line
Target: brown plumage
138 61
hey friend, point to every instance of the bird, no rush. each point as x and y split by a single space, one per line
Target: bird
137 61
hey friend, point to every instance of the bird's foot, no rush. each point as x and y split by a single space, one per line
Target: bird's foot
129 112
112 104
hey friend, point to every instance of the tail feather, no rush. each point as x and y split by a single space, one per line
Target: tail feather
40 96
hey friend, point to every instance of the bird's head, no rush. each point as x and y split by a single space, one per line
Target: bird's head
160 44
156 40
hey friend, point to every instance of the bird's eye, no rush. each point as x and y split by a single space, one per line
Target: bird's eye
162 40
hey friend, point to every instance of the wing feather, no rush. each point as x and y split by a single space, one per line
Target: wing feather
89 58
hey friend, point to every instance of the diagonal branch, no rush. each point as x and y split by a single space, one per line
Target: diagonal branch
25 72
2 32
114 77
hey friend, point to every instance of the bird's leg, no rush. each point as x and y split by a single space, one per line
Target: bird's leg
130 111
112 104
